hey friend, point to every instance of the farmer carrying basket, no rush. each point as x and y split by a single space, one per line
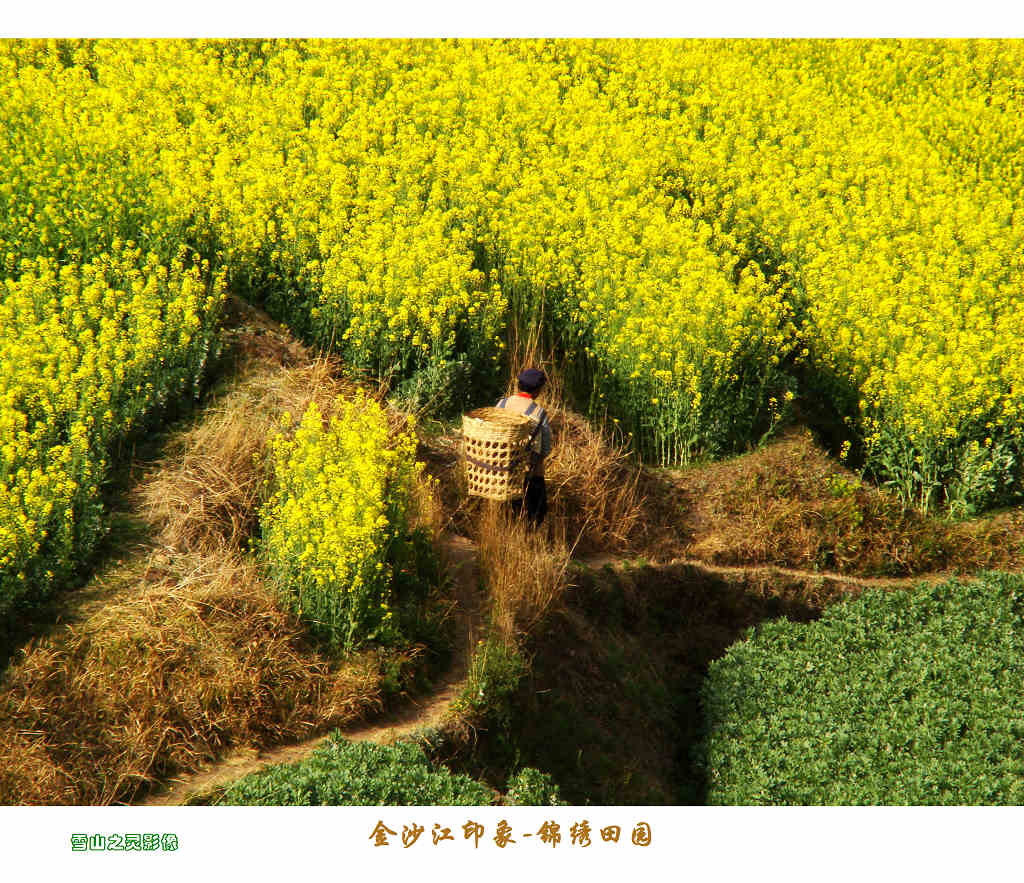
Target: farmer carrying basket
506 446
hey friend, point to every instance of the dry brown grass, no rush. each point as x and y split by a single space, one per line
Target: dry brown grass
594 499
593 490
993 541
791 505
204 494
198 658
254 342
524 571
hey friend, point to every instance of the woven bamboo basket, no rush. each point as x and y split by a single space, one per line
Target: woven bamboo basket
495 445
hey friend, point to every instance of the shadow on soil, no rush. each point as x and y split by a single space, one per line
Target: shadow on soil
611 709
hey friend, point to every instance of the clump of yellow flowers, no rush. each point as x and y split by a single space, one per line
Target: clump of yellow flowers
342 496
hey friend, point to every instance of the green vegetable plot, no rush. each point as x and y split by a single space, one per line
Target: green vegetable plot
894 698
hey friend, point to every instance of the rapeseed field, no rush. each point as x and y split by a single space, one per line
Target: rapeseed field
712 232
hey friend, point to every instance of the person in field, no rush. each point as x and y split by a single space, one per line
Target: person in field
535 495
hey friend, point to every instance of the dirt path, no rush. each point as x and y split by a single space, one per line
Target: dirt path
596 562
415 715
411 718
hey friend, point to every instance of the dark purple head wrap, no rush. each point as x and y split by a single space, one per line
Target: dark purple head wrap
531 380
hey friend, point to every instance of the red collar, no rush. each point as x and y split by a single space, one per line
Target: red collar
525 395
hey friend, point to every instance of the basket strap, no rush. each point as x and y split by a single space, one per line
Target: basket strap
536 429
540 418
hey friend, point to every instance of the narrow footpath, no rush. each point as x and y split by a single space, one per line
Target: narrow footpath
415 714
